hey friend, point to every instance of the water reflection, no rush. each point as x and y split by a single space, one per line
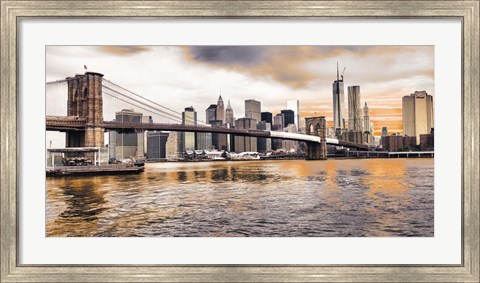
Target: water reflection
334 198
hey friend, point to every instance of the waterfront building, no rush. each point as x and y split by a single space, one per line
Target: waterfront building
417 114
354 111
253 110
352 136
398 143
229 118
127 145
220 110
189 117
173 147
267 117
294 105
288 117
427 141
338 104
264 144
243 144
156 145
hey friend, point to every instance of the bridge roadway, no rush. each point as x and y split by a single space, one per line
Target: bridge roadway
67 124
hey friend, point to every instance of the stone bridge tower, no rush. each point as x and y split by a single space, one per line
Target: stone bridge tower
316 126
85 102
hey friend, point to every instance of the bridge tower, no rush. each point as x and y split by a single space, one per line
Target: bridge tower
85 102
317 126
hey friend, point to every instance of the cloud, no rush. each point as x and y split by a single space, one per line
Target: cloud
123 50
302 66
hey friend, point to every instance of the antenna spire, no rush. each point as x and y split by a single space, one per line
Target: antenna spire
337 72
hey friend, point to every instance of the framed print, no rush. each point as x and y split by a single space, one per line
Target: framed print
239 141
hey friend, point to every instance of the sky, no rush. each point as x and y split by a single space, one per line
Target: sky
183 76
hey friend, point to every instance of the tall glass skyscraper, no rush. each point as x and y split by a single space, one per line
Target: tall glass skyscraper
338 103
294 105
253 110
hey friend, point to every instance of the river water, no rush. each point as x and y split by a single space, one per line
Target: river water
286 198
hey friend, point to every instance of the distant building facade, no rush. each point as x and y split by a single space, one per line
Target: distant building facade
354 112
127 145
267 117
156 145
294 105
288 117
427 141
398 143
338 104
229 117
253 110
264 144
243 144
417 114
189 117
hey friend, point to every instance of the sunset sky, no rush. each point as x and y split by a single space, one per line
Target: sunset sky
182 76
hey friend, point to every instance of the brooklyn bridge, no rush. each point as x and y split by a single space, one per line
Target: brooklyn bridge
85 126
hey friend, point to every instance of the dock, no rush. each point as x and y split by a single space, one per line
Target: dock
111 169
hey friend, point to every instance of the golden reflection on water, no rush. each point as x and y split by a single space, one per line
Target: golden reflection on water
364 197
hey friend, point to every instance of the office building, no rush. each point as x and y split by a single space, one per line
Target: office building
264 144
427 141
253 110
294 105
189 117
267 117
417 113
367 124
127 145
243 144
338 104
173 147
220 110
156 145
354 111
398 143
278 122
229 118
211 113
288 117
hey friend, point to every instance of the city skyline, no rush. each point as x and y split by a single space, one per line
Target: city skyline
252 72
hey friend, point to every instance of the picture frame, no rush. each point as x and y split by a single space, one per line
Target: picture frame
12 12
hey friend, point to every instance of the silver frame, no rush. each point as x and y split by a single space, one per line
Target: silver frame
467 271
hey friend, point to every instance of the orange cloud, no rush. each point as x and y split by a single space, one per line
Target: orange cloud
123 50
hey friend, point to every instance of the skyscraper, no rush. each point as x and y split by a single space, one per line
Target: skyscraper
354 112
229 119
417 114
189 117
126 145
294 105
338 104
253 110
288 117
366 119
220 110
384 131
211 113
242 143
267 117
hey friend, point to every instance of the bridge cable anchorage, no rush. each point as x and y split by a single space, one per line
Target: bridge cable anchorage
140 102
154 112
153 102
